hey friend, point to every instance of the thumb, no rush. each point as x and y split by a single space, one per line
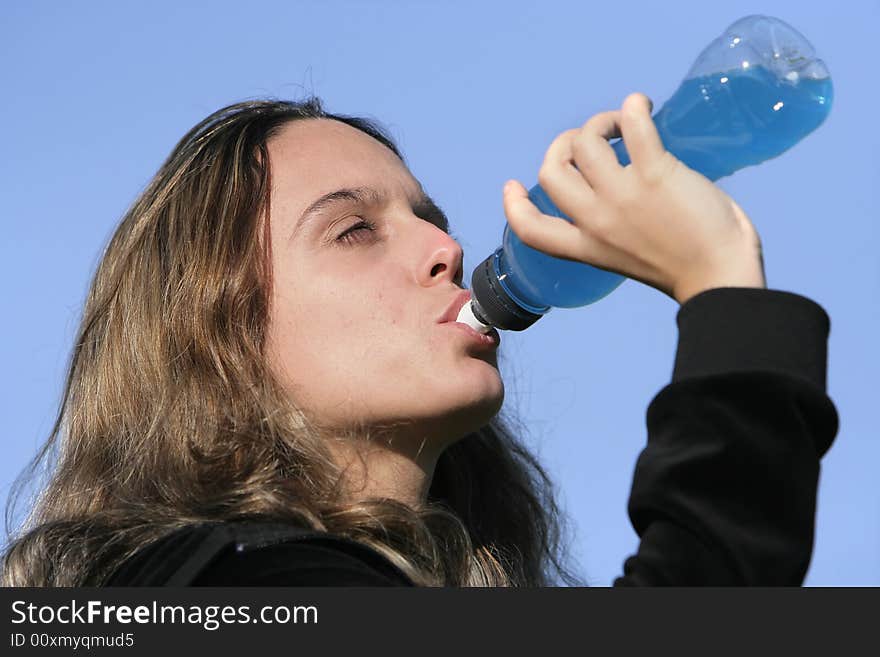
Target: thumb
552 235
512 196
516 202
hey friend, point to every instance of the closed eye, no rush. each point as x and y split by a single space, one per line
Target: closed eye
350 236
425 209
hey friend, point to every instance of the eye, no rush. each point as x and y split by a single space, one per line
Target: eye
352 234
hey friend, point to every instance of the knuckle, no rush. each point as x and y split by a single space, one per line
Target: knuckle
582 150
659 168
601 227
590 123
598 123
555 155
558 143
544 174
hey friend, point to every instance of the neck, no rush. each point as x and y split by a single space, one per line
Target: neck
402 472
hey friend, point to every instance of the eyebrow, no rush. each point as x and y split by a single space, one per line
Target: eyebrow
424 208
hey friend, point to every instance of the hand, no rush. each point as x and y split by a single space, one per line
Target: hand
656 220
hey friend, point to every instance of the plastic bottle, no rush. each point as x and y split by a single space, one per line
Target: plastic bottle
753 93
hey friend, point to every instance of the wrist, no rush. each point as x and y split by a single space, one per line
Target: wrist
741 272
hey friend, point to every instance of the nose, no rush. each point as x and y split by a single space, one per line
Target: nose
446 261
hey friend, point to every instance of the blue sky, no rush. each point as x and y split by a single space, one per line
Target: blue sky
96 94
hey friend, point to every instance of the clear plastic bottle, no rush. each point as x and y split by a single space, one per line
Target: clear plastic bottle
752 94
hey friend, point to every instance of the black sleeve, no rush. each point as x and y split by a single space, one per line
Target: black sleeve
724 493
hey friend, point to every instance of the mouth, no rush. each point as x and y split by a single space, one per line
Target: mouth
490 340
451 312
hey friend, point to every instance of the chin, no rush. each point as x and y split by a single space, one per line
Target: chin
484 406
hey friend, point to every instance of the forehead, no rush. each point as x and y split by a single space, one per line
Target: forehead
312 156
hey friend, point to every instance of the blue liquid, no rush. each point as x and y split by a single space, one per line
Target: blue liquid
716 125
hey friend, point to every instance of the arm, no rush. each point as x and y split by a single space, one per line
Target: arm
725 491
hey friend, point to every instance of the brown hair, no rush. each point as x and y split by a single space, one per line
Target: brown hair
170 415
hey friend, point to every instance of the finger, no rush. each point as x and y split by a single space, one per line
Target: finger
643 143
594 156
551 235
562 182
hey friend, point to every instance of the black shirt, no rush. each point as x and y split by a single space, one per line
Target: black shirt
724 493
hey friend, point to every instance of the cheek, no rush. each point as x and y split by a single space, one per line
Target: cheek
338 335
387 303
371 312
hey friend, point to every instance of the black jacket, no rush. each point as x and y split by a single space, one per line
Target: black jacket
724 493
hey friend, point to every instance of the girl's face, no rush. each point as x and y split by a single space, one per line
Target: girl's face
353 330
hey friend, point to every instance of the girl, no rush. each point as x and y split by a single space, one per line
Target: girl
263 390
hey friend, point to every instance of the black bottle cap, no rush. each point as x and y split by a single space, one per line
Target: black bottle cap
494 304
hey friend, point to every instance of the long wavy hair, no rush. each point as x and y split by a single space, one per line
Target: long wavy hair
170 414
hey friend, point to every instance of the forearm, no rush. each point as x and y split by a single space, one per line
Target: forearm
725 491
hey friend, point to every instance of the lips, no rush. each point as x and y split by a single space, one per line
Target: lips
451 312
